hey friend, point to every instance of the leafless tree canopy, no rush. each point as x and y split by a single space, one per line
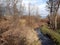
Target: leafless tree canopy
53 6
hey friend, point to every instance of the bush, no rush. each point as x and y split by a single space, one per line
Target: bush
21 36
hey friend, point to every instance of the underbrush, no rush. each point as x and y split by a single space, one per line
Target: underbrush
17 31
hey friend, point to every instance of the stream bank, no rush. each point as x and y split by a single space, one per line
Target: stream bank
44 39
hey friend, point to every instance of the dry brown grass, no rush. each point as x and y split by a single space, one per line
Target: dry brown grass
32 21
21 36
4 25
19 31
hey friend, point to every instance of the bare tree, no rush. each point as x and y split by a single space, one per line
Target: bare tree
56 10
2 10
21 8
53 5
15 10
8 7
37 12
29 8
50 7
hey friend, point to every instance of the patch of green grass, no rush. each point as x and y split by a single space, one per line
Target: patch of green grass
58 31
54 35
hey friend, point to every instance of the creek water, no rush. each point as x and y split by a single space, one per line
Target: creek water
44 39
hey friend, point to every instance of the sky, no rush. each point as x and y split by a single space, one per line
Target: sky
40 3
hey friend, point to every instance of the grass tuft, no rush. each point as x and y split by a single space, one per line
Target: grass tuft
54 35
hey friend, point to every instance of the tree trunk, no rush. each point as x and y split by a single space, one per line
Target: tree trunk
55 22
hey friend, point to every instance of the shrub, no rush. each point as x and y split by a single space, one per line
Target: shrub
21 36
